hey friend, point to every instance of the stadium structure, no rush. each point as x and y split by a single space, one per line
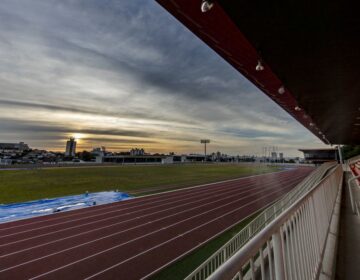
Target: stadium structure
304 56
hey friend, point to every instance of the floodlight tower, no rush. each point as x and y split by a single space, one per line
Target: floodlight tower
205 141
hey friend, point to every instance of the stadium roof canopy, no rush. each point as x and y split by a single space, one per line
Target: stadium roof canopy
309 50
320 155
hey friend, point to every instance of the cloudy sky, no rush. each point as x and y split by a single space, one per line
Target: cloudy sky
123 74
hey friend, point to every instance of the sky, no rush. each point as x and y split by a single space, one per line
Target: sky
125 74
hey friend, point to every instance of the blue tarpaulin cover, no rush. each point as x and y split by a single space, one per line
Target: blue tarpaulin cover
16 211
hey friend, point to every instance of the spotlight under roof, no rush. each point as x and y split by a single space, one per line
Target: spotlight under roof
259 66
206 5
281 90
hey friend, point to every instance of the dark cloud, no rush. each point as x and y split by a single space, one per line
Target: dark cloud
125 69
250 133
117 140
32 105
13 125
90 111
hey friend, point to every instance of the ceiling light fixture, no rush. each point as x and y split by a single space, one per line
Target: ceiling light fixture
259 66
297 108
206 5
311 124
281 90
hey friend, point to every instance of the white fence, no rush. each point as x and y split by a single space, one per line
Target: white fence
255 226
292 245
354 186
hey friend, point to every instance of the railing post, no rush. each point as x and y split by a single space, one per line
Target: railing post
265 218
340 155
351 194
278 256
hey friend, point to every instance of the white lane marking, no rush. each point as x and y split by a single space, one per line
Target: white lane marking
101 214
216 235
190 209
157 246
123 209
95 240
135 205
135 218
141 210
292 186
120 245
185 190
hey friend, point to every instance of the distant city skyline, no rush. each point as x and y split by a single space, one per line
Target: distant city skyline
71 150
125 75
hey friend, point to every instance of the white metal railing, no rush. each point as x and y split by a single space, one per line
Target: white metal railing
353 160
256 225
292 245
354 206
353 192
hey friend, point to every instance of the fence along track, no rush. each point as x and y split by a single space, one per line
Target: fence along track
292 246
257 224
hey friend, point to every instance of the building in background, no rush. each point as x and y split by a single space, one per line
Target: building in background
70 147
14 147
281 157
137 152
99 151
273 156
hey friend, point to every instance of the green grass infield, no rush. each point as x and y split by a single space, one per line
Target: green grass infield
25 185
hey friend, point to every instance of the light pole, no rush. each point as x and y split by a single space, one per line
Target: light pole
205 141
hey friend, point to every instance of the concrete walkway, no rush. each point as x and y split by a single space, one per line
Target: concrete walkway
348 259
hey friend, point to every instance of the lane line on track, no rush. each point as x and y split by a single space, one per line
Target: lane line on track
162 244
233 189
213 237
118 210
124 221
133 199
94 230
92 241
154 247
159 245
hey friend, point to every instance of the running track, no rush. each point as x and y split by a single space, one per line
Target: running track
133 239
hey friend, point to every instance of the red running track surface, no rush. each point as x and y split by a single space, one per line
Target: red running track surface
133 239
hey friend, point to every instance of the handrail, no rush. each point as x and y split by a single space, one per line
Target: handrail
264 218
351 194
350 162
297 238
353 159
